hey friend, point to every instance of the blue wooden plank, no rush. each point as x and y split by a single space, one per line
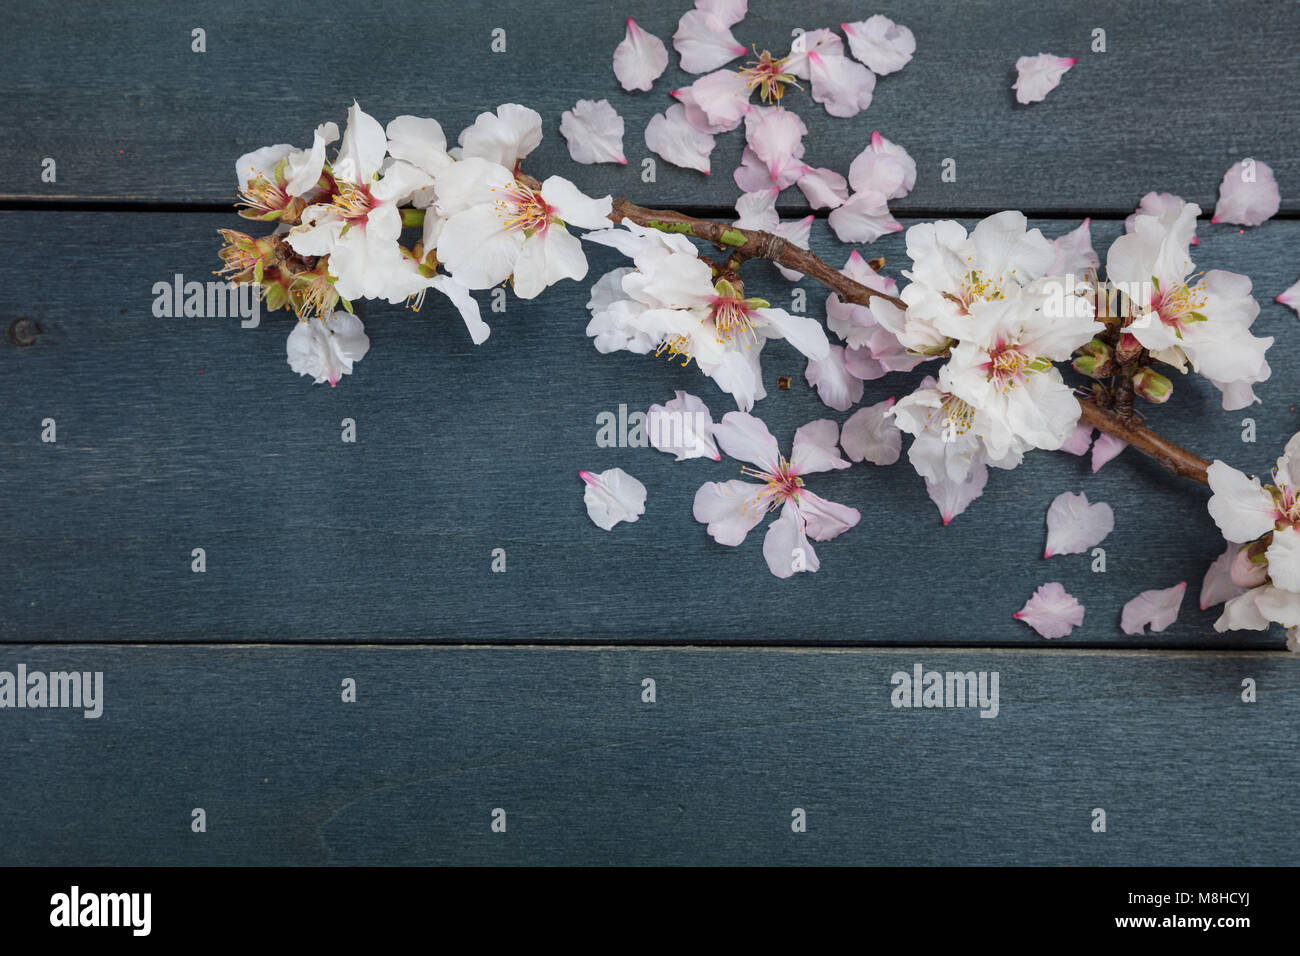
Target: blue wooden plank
1183 90
175 434
586 772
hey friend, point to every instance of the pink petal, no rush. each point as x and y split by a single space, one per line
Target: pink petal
1079 440
640 59
795 232
1074 525
1156 608
823 42
1291 297
716 102
1217 586
704 42
1052 611
824 520
1039 75
1248 194
884 167
823 188
953 497
746 438
757 210
841 85
775 135
785 539
883 45
864 218
594 132
1104 449
669 135
752 175
816 448
1159 205
1074 252
729 12
836 387
870 434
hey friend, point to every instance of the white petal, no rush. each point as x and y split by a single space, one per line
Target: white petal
880 43
683 427
864 218
1158 608
871 434
824 520
816 448
306 166
504 137
1074 525
477 249
1279 605
613 496
1248 194
802 331
327 347
1052 611
1039 75
465 304
704 42
546 258
731 509
594 132
671 136
786 547
1218 586
746 438
362 151
1240 506
1242 613
1080 439
1284 559
640 59
1291 297
835 386
419 141
261 163
573 206
729 12
716 102
1074 253
757 210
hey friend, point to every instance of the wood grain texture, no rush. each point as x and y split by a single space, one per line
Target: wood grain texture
182 433
587 773
116 96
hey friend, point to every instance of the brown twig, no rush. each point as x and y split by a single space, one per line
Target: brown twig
1173 457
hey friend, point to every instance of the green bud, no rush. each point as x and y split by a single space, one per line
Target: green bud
1152 386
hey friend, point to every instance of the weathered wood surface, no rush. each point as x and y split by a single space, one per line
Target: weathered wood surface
176 434
116 96
560 739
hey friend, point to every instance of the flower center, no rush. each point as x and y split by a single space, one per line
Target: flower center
523 208
1177 305
676 345
976 285
1008 367
954 414
780 487
1286 503
732 317
767 75
353 202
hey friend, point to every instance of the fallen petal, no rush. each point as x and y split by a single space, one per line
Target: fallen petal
883 45
1104 449
704 42
1156 608
683 427
613 496
1248 194
1074 525
669 135
1052 611
594 131
640 59
1217 585
1039 75
870 434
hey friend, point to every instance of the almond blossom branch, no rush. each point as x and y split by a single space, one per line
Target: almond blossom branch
1173 457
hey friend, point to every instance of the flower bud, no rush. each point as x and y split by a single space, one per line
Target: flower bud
1095 360
1128 349
1151 385
1245 571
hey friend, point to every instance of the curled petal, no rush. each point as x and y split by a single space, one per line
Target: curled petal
1104 449
1158 608
1074 253
1039 75
1291 297
1052 611
640 59
824 520
1080 439
1248 194
671 136
503 137
823 188
1218 586
594 132
871 434
1074 525
613 496
1240 506
1284 559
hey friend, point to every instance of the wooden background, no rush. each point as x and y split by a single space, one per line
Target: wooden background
522 690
